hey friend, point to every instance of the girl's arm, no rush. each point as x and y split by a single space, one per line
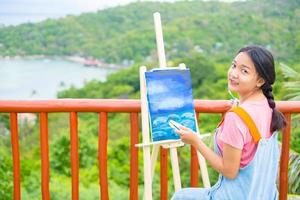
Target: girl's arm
228 165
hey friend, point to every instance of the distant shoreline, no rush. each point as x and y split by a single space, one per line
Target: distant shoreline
87 62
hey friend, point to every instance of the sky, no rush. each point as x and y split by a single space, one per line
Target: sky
15 12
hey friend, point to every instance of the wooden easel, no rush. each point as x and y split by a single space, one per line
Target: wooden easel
149 161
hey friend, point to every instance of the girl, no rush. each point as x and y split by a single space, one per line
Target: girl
246 151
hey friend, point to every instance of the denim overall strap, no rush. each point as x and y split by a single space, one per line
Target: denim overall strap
256 181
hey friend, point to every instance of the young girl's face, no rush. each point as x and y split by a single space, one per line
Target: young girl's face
242 75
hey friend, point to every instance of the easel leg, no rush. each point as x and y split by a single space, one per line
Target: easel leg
154 155
175 169
203 169
147 174
154 159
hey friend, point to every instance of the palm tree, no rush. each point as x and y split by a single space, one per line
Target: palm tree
294 172
293 87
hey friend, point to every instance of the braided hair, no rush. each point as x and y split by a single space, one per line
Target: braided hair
264 64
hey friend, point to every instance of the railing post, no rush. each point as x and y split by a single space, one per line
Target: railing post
134 139
44 155
74 155
15 154
163 174
284 160
102 152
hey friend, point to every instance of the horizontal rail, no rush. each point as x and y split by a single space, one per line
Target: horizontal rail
71 105
119 105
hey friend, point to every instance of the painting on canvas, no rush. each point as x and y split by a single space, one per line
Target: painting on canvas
169 96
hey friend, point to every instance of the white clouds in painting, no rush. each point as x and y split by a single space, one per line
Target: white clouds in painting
156 87
169 104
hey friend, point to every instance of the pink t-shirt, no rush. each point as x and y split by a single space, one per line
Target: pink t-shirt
233 131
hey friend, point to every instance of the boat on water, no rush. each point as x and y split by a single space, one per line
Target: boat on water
91 63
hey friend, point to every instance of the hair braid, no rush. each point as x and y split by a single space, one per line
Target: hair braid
277 122
267 90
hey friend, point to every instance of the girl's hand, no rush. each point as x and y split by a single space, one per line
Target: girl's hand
187 135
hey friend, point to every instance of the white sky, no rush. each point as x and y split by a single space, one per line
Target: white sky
14 12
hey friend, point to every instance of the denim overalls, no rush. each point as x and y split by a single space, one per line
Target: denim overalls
256 181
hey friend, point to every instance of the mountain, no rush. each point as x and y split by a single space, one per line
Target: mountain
126 33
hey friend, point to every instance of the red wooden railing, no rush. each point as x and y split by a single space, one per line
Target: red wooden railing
103 107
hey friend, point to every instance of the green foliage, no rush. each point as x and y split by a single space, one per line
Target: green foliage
6 177
60 188
294 172
292 87
60 155
120 91
31 184
119 152
4 121
293 83
91 90
201 69
295 136
126 33
128 77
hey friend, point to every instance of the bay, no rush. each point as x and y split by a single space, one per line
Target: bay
30 79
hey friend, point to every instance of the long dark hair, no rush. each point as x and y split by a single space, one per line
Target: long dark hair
264 64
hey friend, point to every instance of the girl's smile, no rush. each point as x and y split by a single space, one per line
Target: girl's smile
232 82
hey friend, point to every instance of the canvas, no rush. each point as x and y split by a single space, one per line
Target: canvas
169 96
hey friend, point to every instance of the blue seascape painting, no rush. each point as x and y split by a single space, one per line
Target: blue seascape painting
169 95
